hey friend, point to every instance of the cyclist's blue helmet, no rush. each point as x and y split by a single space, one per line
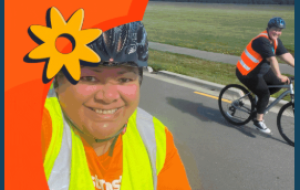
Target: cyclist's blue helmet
276 22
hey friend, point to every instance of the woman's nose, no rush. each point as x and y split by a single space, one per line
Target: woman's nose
108 94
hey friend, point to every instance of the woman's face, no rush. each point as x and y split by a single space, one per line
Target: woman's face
103 100
274 33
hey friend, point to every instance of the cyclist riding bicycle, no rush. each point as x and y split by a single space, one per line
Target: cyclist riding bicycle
258 67
94 136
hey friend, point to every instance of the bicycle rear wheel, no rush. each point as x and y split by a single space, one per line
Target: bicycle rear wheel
286 123
236 104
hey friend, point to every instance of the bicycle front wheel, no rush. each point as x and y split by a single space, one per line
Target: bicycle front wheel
286 123
236 104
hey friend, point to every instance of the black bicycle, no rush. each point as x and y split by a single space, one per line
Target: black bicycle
237 105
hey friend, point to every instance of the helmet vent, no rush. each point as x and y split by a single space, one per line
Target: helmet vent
122 38
109 39
98 45
131 49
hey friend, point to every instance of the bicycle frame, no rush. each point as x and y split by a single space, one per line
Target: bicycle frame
277 100
289 91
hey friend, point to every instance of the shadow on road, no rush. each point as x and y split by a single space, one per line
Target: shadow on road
208 114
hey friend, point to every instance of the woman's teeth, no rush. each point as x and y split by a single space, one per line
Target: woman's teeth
100 111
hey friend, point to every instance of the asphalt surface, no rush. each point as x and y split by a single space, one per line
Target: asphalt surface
217 57
216 154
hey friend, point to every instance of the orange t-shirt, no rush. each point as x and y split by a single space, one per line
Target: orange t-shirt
106 171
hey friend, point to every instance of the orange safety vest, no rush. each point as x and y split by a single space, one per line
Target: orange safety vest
250 58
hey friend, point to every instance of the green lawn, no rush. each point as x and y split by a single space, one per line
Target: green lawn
220 73
187 65
222 28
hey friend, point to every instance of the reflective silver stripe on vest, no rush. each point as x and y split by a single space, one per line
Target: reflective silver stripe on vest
244 65
60 175
145 126
51 93
251 57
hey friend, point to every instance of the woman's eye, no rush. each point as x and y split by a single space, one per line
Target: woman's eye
88 78
124 80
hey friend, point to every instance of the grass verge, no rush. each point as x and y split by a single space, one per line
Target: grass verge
221 28
220 73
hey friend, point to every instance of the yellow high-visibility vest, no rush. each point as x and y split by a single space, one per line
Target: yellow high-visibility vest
144 153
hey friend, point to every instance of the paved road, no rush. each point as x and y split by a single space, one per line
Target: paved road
217 155
217 57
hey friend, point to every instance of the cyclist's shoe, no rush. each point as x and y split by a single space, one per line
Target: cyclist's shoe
260 125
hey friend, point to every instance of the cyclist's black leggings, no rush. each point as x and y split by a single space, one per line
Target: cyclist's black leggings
258 84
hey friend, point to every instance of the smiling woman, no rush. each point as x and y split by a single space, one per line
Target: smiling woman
102 101
94 136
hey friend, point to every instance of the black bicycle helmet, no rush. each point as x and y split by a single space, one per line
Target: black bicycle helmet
276 22
123 44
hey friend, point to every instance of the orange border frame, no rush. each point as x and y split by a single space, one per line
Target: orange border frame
25 92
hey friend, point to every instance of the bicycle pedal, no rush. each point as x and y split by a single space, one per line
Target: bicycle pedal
230 115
